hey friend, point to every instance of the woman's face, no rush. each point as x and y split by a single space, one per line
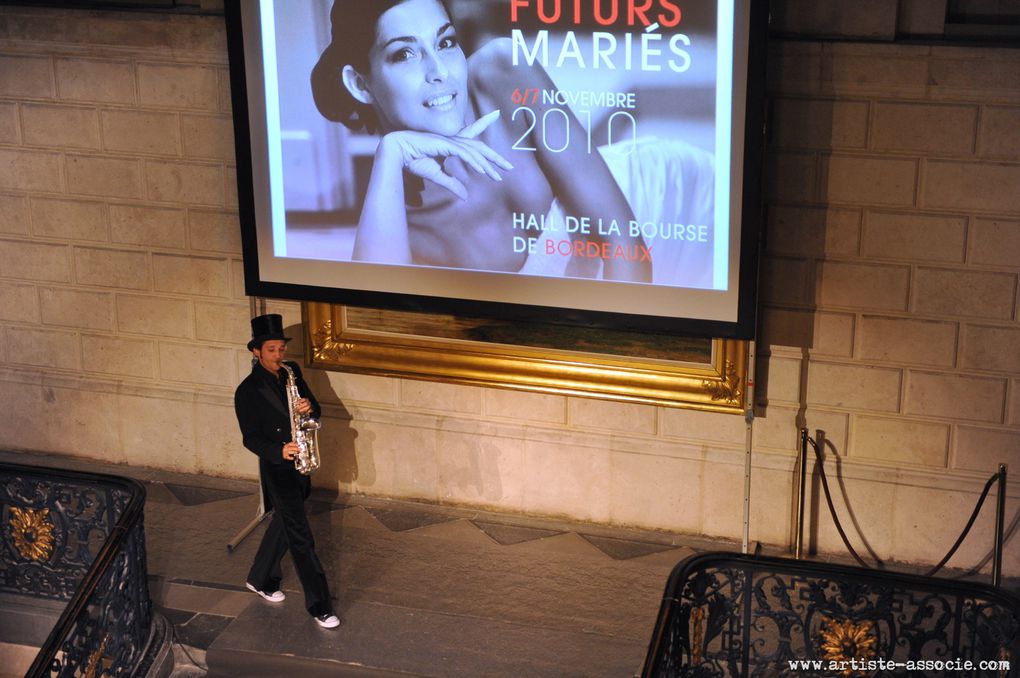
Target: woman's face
417 70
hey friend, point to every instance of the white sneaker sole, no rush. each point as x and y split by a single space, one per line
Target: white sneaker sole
330 623
274 597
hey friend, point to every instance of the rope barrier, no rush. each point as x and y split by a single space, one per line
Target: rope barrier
842 533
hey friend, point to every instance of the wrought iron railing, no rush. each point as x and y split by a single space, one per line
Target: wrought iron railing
79 537
737 615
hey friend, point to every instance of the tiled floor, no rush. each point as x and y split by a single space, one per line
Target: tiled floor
424 590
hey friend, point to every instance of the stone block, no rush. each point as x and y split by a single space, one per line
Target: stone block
983 449
655 492
782 380
986 78
151 226
222 322
157 316
478 469
30 171
794 67
900 441
19 303
76 308
791 177
819 123
208 136
43 348
237 279
223 79
141 132
900 72
722 506
69 219
813 231
14 214
220 452
995 242
95 80
118 356
823 333
714 427
787 281
912 236
921 17
869 19
112 268
34 261
982 187
854 387
991 349
111 177
230 187
1014 417
864 286
196 364
178 86
191 275
955 396
383 468
161 432
779 428
447 398
22 402
902 340
583 487
926 521
85 428
949 292
60 126
931 128
214 231
590 414
870 181
999 133
348 388
188 183
25 77
10 132
525 407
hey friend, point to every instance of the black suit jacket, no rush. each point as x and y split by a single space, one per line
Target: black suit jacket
262 414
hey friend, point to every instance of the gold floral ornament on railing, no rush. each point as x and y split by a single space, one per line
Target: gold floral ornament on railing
32 532
92 669
843 641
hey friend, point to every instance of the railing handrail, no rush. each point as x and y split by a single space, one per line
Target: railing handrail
125 523
680 573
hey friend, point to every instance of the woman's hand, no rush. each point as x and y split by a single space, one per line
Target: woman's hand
421 153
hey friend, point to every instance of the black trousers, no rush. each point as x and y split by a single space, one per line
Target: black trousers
289 531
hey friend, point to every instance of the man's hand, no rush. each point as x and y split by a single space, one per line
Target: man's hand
303 406
290 450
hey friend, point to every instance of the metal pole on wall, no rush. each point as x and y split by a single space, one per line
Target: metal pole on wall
1000 524
749 421
798 540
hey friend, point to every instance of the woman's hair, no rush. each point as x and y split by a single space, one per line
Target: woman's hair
353 32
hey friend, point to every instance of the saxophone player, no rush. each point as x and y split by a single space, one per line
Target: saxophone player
263 413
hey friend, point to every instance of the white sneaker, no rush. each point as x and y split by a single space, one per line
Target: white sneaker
274 597
327 621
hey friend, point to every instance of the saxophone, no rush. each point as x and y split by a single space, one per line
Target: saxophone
303 429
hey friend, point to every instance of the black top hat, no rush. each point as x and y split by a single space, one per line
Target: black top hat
264 328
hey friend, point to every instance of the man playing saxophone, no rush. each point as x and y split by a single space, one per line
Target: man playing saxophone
265 408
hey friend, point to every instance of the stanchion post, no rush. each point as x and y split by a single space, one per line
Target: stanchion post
1000 524
798 540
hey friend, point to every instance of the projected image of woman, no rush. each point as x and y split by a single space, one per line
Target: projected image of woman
446 184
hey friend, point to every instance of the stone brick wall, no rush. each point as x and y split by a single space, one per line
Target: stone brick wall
889 301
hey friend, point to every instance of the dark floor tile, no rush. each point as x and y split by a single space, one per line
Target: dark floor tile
157 493
314 507
400 521
625 549
201 630
193 496
512 534
175 617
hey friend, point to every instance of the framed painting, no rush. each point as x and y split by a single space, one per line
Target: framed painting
640 367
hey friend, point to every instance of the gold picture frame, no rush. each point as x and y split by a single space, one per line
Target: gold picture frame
711 376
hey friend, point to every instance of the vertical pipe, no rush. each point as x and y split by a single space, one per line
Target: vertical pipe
798 540
749 423
1000 522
